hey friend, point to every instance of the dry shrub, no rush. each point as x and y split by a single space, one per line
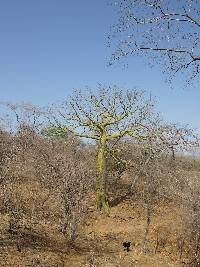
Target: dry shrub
50 180
44 179
158 176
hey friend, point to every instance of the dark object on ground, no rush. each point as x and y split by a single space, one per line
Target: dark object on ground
126 246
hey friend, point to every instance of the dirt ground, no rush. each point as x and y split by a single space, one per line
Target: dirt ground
100 241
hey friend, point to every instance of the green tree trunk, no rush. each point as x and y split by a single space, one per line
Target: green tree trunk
101 198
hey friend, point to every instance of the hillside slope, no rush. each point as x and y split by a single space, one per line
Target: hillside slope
100 241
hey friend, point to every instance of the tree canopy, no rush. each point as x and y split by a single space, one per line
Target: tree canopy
103 116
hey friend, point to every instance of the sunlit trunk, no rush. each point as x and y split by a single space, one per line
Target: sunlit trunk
101 198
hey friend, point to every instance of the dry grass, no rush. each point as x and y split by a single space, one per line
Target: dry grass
100 240
48 218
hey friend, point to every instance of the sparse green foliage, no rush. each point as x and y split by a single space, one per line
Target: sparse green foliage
110 114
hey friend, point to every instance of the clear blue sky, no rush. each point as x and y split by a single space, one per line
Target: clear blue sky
49 47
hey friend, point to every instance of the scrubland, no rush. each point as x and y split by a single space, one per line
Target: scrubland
47 205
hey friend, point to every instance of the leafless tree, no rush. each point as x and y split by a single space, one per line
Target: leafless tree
178 139
14 115
168 32
40 177
152 170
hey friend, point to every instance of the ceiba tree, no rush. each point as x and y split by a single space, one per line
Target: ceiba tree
109 114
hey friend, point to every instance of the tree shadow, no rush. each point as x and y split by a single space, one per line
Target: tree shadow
30 239
121 198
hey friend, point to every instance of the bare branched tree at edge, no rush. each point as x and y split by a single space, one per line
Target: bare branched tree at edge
168 32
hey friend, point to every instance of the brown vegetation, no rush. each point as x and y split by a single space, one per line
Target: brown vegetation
47 199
